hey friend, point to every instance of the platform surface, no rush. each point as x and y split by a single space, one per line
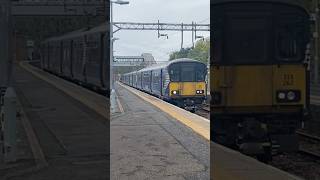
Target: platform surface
147 143
226 164
231 165
149 139
72 136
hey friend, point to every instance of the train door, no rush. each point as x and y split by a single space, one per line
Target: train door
161 82
103 66
132 79
71 58
150 85
187 77
136 85
141 80
252 42
48 57
61 58
84 59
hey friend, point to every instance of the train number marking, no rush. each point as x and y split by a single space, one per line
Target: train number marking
288 80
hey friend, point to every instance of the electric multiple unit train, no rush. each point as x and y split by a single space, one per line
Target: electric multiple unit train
181 82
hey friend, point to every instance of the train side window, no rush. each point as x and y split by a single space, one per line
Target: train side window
200 73
289 45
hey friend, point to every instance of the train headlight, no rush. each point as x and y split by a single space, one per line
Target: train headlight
281 95
285 96
291 95
199 91
175 92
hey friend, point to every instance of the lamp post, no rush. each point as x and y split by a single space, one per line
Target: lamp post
112 93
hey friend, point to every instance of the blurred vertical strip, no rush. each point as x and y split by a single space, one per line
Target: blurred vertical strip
5 36
107 72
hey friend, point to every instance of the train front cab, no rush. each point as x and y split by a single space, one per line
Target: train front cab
259 75
187 87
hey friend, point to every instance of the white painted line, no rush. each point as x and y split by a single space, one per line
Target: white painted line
120 105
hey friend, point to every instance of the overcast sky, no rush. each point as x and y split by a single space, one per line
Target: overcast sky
134 43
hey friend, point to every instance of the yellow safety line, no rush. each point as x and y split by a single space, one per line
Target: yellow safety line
172 111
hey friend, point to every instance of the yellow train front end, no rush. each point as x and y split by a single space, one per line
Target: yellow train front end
187 85
188 95
187 89
259 75
257 89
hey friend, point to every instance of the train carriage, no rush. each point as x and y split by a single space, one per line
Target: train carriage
181 82
259 74
80 56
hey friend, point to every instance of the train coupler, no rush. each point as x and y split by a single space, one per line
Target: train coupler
189 105
190 108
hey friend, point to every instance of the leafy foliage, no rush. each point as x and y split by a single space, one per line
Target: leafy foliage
200 52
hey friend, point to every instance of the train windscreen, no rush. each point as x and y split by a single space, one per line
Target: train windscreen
247 40
259 33
187 72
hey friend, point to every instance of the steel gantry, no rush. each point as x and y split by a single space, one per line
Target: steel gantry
161 26
193 27
58 7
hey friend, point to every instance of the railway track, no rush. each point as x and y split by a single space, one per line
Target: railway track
204 111
305 162
309 144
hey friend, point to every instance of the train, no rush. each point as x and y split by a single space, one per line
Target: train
181 82
81 56
259 74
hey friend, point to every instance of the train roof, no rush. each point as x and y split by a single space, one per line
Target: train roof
79 32
300 3
166 64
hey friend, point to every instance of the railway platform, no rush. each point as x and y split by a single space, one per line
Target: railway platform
147 143
144 114
59 137
67 131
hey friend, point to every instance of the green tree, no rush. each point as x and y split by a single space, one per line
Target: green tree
200 51
183 53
